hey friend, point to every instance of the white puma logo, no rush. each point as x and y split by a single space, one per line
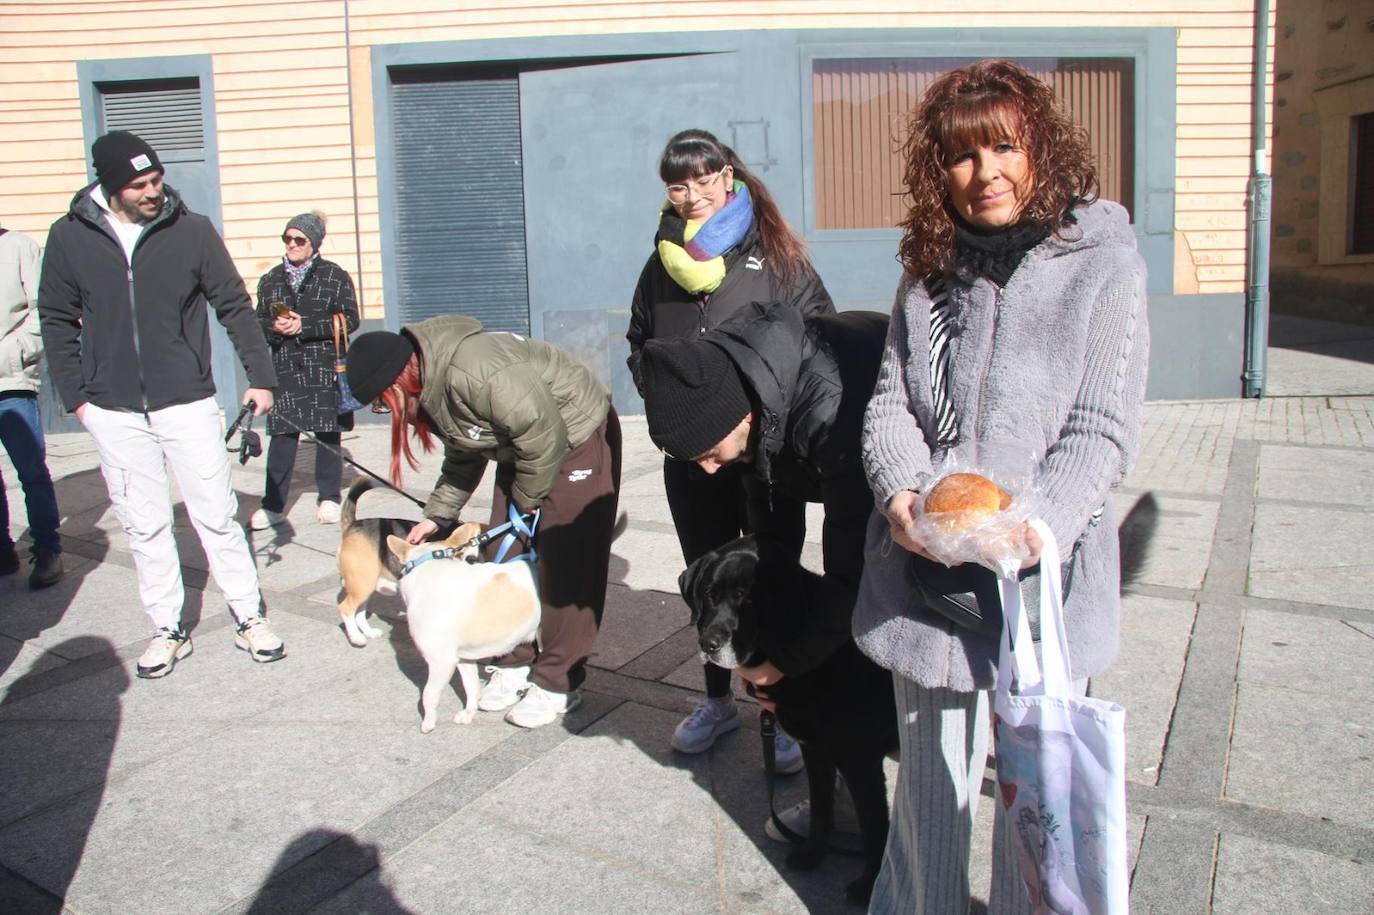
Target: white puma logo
753 263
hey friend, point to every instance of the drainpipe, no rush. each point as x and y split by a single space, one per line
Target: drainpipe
1258 198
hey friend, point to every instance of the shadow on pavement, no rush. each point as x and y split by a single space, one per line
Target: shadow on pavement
316 866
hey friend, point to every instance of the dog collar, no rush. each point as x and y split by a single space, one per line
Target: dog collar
448 552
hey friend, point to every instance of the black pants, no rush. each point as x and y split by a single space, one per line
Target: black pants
281 460
712 509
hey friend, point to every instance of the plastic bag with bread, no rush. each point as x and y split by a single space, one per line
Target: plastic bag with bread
973 514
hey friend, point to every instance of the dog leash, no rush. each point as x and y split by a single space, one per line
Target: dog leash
768 728
253 448
514 528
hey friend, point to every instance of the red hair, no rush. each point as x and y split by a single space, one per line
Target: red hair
988 102
403 397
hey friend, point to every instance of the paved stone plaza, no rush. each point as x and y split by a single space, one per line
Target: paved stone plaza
1246 668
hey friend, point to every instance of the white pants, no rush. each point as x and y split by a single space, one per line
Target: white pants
925 866
135 452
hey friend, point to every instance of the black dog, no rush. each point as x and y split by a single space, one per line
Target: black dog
742 596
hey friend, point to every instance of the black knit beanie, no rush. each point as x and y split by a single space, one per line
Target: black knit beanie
374 360
311 225
693 395
119 158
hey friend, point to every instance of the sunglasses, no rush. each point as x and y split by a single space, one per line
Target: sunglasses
295 241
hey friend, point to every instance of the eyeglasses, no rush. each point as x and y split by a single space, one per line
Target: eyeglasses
677 193
295 241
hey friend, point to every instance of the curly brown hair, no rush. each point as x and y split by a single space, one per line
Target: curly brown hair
986 103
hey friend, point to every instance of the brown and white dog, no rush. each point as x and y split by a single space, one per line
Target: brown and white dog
462 610
365 563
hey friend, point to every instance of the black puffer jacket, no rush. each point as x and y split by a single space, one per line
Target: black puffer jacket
810 382
305 393
662 309
137 337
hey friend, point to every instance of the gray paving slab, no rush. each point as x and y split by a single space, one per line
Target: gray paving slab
1325 656
1166 539
1304 752
1314 555
1335 476
642 621
1144 680
1257 876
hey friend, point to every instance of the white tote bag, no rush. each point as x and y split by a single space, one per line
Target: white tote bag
1061 765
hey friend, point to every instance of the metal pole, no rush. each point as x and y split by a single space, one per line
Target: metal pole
1258 198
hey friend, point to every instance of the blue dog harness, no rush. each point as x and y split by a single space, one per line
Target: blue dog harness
514 528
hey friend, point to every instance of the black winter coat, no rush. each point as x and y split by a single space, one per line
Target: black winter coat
663 309
810 383
137 338
305 393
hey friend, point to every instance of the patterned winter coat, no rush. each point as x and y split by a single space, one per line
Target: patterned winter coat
305 363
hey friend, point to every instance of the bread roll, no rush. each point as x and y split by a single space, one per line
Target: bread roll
965 500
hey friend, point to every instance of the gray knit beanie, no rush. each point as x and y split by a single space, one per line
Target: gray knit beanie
311 225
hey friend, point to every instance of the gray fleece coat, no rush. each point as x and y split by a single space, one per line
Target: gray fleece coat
1054 363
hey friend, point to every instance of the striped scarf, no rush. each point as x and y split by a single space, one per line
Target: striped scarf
693 252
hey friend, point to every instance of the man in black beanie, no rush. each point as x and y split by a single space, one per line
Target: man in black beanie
139 379
784 395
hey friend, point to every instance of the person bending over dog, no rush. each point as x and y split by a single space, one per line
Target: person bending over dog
549 425
783 395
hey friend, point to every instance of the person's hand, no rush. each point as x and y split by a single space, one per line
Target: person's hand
764 674
79 411
1031 538
422 531
261 397
901 518
288 325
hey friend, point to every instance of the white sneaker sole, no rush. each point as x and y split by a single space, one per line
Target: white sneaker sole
162 670
533 720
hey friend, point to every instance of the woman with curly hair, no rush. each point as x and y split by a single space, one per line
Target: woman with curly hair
1020 321
721 245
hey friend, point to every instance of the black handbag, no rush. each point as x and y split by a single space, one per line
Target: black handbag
965 594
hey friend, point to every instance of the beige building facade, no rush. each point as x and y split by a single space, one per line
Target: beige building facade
263 111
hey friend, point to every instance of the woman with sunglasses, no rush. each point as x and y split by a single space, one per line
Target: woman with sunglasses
721 244
297 302
547 422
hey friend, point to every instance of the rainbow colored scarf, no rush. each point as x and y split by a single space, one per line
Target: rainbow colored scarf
693 252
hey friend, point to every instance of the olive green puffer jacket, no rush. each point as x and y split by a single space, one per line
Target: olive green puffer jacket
501 397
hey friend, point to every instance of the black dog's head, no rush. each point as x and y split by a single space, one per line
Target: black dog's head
719 590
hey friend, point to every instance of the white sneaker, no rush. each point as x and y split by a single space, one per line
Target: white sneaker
257 638
264 518
167 647
709 720
539 707
503 688
787 754
328 512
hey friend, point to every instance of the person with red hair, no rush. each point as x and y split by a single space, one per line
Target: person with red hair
548 423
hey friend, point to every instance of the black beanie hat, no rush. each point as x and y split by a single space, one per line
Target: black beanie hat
374 360
311 225
119 158
693 395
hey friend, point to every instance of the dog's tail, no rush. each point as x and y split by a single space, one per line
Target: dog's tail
348 510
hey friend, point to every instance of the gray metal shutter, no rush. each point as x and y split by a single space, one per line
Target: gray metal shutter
166 113
460 225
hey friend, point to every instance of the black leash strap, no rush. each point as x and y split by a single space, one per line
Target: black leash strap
768 728
348 460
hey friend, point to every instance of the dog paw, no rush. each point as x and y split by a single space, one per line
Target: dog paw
465 716
860 890
806 859
426 726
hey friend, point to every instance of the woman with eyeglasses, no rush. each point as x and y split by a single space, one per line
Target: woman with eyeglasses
548 423
297 301
721 244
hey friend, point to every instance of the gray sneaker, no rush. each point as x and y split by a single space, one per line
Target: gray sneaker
798 817
787 754
709 720
257 638
162 653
